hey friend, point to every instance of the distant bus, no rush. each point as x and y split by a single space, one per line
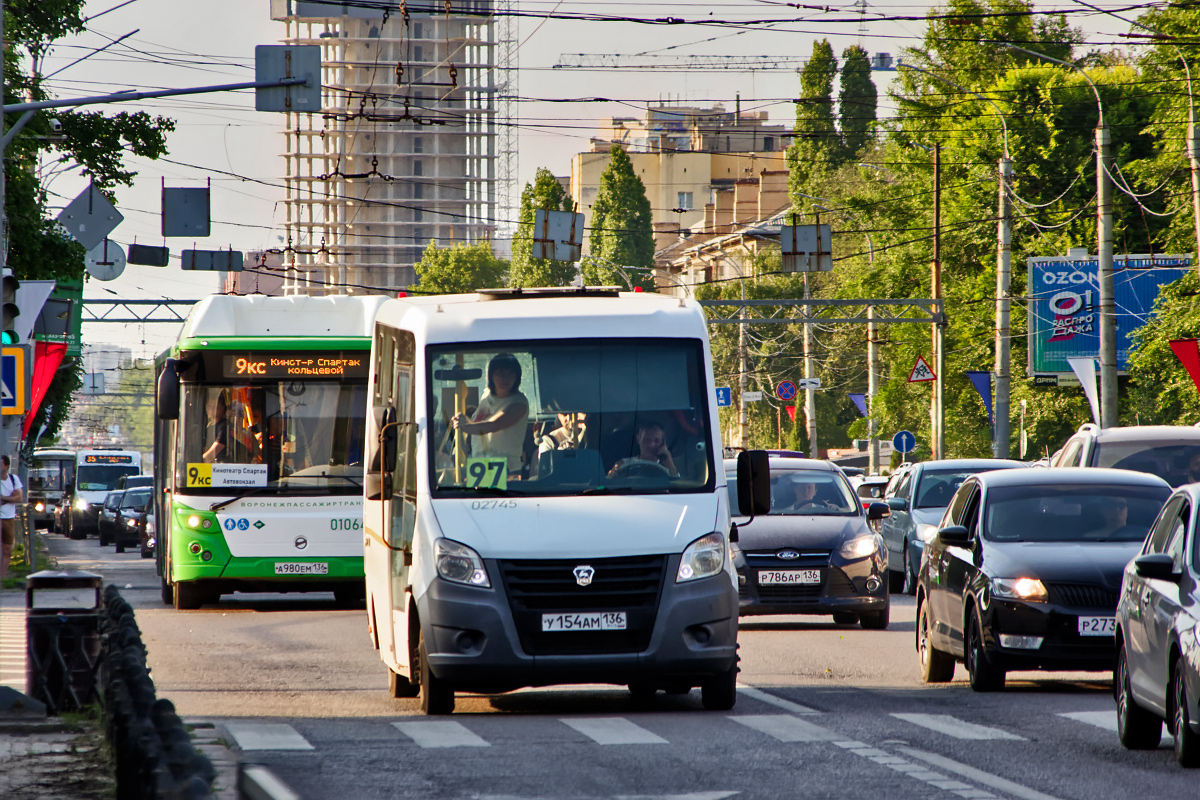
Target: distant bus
50 473
97 472
261 413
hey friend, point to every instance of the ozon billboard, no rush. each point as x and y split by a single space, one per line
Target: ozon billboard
1064 299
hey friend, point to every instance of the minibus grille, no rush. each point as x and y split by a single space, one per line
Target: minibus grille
537 587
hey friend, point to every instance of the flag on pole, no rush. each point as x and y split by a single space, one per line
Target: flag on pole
1085 370
860 400
1188 353
982 381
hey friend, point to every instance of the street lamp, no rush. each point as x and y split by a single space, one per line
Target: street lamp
1108 319
1000 434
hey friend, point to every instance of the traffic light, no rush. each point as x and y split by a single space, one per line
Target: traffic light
8 300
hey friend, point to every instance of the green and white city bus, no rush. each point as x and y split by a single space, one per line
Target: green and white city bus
258 445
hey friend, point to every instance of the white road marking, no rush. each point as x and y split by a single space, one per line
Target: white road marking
785 728
977 775
613 730
952 726
1102 719
778 702
266 736
689 796
258 781
439 734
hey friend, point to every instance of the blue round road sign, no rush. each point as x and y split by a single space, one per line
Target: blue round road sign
786 390
904 441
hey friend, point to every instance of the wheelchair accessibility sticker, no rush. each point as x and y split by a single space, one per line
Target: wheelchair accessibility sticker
241 524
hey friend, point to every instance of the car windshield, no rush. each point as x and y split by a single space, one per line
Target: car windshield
937 486
1068 513
135 500
272 436
1166 458
102 478
606 416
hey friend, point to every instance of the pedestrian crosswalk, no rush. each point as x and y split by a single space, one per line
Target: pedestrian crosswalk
12 640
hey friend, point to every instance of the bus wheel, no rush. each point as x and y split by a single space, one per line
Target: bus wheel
400 686
189 596
168 593
436 696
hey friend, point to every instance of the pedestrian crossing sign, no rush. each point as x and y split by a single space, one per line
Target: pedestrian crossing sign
12 380
921 372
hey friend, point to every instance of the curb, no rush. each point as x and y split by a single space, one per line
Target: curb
256 782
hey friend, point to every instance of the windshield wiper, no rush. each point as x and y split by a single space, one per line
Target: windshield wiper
495 491
626 490
235 498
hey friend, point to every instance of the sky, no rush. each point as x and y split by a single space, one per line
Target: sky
220 138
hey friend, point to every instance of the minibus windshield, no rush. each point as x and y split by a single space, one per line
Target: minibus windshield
569 417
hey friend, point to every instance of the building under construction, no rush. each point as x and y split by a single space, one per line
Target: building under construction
415 142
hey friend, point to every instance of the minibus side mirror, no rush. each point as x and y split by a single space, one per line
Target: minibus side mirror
167 395
754 482
382 461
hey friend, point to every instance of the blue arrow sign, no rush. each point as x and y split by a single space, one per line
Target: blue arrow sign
904 441
724 396
786 390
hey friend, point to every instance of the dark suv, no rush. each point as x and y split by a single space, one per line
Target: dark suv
131 518
1162 450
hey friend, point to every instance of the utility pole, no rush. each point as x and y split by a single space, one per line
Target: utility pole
936 414
872 389
743 433
810 394
1108 319
1003 308
1193 150
5 431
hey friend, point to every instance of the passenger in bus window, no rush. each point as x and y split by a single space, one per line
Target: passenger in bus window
567 436
218 412
500 422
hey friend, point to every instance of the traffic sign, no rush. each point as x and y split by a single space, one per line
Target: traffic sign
810 383
90 217
921 372
786 390
12 381
752 397
724 396
904 441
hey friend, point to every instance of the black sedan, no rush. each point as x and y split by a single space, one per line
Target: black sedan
107 516
1023 572
815 553
1157 676
131 518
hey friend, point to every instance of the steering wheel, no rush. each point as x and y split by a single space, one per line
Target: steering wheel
640 468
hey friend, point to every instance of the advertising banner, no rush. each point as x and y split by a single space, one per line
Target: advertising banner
1064 300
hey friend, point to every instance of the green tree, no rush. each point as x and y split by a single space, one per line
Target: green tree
459 269
622 227
544 193
857 101
817 145
99 143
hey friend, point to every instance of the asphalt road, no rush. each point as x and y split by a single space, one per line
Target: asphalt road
826 711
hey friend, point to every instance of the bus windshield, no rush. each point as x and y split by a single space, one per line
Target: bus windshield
272 436
50 476
103 477
569 417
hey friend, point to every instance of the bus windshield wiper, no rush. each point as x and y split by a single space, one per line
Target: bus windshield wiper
626 490
235 498
495 491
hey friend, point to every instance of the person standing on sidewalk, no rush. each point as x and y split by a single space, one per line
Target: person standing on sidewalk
10 495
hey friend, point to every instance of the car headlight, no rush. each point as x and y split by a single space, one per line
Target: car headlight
858 547
926 532
81 504
460 564
131 523
1029 589
702 558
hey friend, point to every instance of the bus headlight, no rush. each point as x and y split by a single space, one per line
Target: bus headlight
460 564
702 558
81 504
39 507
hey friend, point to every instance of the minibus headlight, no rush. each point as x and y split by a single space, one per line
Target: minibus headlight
460 564
81 504
40 507
702 558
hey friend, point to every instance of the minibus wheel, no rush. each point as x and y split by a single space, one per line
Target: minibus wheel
719 692
436 697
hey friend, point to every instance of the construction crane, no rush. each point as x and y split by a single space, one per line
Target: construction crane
657 62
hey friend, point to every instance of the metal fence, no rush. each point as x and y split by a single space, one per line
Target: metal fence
27 536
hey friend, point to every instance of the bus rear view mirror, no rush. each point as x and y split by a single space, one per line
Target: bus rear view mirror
167 395
754 482
381 461
457 373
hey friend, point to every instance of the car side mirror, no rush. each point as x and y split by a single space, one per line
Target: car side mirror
878 511
1157 566
754 482
897 503
955 535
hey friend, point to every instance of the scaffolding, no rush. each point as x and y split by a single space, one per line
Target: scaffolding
404 151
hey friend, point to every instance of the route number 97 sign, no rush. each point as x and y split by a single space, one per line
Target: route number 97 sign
487 473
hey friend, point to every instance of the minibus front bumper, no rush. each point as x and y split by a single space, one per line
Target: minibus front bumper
479 640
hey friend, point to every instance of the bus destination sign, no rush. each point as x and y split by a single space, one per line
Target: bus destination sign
104 458
324 364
